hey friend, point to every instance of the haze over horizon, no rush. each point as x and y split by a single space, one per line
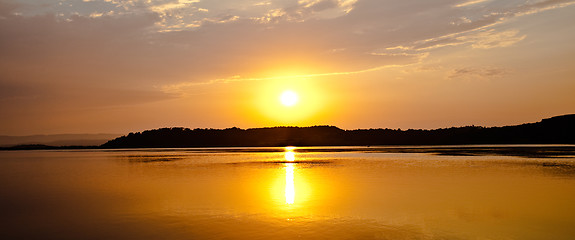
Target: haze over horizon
120 66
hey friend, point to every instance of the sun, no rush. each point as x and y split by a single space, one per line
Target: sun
288 101
289 98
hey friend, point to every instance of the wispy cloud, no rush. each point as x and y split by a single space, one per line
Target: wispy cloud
493 39
468 3
180 88
479 31
478 72
483 39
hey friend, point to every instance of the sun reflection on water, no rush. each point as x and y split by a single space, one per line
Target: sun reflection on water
290 167
289 156
290 186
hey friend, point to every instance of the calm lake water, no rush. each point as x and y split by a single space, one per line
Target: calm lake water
283 193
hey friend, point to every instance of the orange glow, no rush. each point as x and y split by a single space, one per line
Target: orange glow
299 105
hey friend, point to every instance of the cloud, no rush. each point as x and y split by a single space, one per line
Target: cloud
468 3
492 39
183 88
306 10
207 41
540 6
480 72
483 39
477 27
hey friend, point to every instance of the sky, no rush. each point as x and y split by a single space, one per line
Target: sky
120 66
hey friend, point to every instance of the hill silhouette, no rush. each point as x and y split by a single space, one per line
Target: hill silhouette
56 140
555 130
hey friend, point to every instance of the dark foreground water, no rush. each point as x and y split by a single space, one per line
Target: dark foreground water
285 193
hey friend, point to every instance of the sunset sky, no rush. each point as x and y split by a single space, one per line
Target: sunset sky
119 66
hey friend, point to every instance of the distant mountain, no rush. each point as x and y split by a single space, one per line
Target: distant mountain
57 140
555 130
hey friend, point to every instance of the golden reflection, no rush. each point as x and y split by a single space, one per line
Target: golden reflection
290 185
289 156
290 167
292 190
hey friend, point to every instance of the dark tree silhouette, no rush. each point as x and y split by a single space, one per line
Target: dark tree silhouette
555 130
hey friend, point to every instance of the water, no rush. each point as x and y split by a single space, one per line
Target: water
277 193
